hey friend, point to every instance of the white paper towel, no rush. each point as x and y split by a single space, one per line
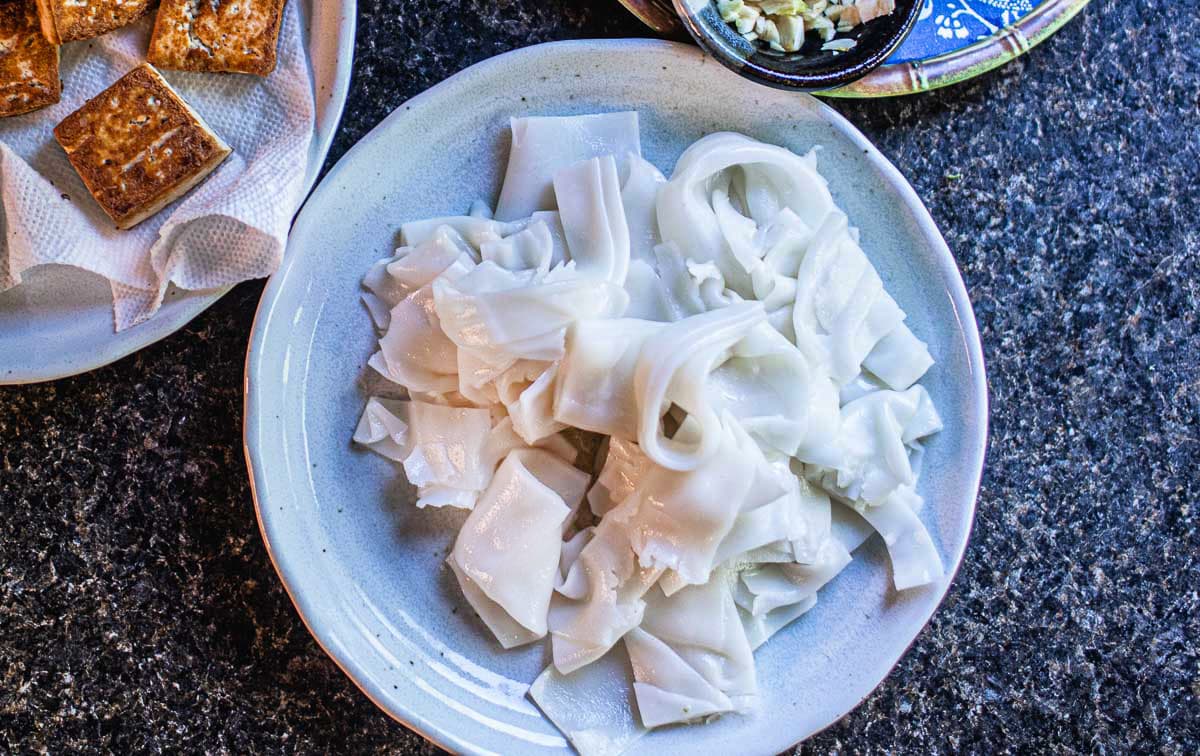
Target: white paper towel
233 227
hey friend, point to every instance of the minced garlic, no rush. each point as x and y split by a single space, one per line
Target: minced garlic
782 24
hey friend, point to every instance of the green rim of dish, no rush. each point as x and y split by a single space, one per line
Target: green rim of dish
968 62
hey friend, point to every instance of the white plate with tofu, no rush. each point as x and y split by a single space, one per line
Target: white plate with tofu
46 334
368 570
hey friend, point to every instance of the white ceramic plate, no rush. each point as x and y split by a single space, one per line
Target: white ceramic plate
44 335
364 567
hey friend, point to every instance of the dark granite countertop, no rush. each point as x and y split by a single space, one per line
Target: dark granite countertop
139 612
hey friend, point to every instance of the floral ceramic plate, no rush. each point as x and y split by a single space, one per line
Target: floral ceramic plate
952 41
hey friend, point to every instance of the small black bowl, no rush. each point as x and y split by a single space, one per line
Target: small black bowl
810 69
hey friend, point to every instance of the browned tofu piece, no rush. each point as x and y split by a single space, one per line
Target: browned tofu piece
235 36
28 63
138 146
73 20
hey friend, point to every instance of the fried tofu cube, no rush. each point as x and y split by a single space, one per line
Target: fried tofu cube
73 20
138 146
233 36
28 63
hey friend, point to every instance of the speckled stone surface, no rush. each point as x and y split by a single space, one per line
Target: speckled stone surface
139 612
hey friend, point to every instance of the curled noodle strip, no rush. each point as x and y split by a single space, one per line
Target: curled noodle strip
672 368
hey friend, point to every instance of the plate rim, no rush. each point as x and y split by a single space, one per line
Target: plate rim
965 63
252 419
196 302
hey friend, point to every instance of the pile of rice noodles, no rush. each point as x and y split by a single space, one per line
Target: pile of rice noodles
734 352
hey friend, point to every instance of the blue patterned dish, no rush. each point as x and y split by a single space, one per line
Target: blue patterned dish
956 40
952 41
945 26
